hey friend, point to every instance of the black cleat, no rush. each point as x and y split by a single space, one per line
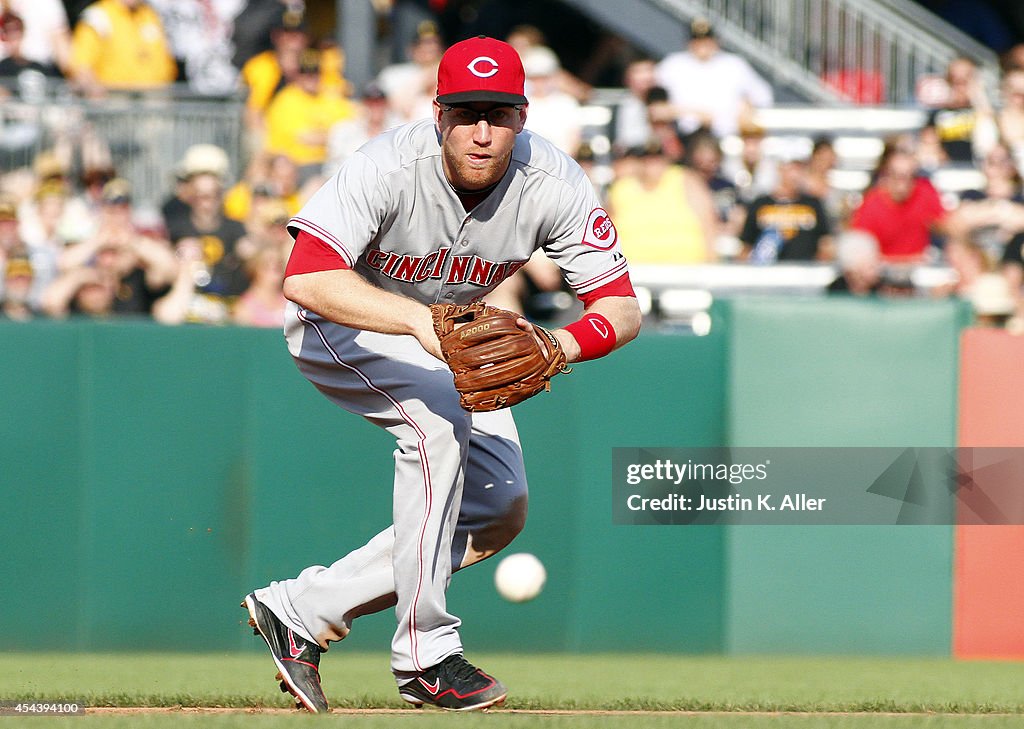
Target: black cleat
454 684
297 659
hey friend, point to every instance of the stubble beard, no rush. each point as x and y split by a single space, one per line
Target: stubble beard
465 177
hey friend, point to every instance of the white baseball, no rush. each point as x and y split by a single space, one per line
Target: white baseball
520 577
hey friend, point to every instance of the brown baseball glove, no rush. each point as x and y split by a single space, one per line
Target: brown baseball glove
496 364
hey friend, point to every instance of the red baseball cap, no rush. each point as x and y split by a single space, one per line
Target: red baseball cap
481 69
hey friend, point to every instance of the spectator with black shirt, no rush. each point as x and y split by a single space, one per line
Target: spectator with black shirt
210 247
19 75
704 156
47 37
963 127
822 162
221 240
199 159
787 224
139 268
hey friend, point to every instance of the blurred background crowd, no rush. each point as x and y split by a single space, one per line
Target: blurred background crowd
152 152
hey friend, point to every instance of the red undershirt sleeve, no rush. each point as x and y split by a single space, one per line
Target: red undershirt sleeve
619 287
310 254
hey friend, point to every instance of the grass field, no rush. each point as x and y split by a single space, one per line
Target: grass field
590 690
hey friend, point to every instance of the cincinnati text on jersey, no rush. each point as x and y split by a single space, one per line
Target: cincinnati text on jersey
473 269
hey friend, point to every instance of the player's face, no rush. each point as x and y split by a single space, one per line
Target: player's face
477 141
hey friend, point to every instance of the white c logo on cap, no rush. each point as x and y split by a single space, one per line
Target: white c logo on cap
483 59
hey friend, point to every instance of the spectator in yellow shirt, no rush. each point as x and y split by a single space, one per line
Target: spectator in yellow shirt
301 115
269 178
664 213
267 73
120 44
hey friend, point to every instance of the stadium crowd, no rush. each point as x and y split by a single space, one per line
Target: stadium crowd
73 242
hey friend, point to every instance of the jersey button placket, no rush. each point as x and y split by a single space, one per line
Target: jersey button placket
464 243
459 241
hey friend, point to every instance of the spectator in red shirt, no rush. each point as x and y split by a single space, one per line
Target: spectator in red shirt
901 209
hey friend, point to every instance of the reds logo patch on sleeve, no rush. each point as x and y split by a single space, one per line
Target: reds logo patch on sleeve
599 231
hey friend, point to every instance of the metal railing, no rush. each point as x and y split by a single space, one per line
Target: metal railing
143 135
833 50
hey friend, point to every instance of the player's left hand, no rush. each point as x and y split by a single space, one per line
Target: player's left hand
497 357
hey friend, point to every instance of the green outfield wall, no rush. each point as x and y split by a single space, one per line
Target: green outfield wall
151 476
841 373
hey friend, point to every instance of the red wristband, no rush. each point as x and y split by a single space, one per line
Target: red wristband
594 334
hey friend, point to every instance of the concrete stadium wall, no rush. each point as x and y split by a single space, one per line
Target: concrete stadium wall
152 476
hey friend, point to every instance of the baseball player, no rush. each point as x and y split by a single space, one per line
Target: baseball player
435 211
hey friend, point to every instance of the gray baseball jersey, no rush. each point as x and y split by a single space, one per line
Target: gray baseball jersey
459 484
393 217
